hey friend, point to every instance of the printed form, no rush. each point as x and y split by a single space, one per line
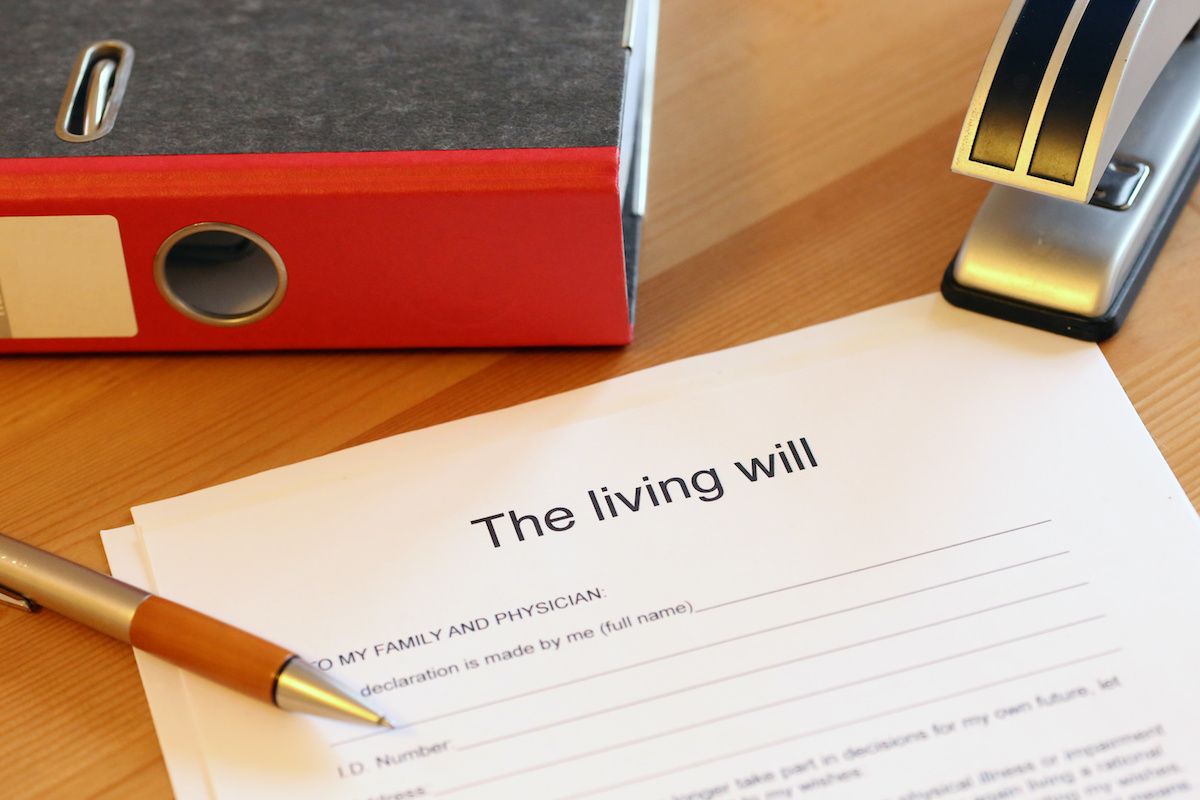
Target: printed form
916 553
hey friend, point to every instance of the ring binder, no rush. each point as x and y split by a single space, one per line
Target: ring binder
458 174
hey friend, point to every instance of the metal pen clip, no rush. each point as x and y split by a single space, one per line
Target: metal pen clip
15 599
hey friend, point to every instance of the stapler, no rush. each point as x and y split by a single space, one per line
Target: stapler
1087 117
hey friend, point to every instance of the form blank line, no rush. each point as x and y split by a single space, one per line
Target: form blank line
840 725
696 649
776 665
870 567
765 706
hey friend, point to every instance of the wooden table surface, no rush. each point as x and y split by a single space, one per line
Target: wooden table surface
800 172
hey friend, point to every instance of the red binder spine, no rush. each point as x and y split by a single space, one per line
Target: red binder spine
396 249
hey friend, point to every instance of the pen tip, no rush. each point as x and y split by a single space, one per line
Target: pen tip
384 722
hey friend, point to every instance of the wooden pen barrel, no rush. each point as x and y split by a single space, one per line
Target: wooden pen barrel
208 647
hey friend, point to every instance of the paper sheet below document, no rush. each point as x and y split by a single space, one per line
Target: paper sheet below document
984 573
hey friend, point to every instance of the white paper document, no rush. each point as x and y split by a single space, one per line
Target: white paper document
916 553
163 682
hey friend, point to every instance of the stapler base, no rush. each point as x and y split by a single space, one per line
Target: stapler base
1092 329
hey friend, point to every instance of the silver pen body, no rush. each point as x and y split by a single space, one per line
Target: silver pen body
31 578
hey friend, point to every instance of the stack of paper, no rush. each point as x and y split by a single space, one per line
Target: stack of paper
915 553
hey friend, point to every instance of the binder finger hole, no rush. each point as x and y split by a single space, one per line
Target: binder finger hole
220 274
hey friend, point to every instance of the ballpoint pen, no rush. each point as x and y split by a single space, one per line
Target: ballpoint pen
31 578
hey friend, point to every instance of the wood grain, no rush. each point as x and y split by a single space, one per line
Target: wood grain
799 172
208 647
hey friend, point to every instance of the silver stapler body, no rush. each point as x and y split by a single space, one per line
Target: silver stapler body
1087 117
